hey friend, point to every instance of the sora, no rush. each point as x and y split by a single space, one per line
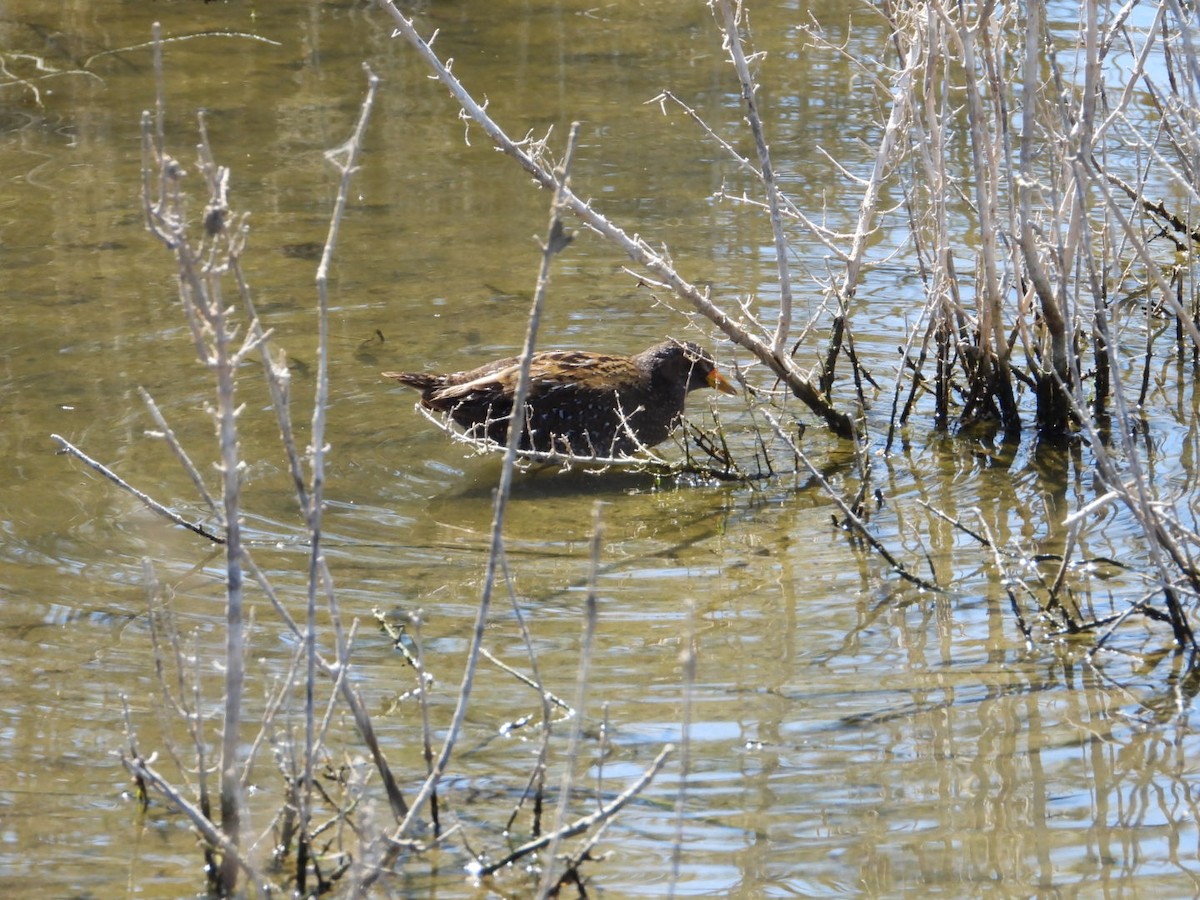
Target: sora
583 404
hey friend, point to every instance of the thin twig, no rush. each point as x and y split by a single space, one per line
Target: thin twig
150 503
555 242
536 783
582 684
550 696
180 454
728 24
344 158
851 517
580 825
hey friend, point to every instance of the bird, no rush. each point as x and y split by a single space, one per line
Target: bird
579 403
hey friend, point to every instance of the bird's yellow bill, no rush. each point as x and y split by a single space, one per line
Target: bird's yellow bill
720 382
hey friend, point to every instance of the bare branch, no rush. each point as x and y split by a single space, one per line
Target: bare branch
150 503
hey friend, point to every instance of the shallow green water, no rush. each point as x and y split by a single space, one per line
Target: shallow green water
849 734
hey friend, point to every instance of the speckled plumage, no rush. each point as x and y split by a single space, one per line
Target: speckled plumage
585 404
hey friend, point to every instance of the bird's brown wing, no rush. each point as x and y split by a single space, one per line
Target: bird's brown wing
589 372
548 372
494 384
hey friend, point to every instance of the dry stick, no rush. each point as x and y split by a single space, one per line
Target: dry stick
643 458
167 227
180 454
307 832
244 35
1141 506
157 620
343 671
150 503
583 682
926 126
1111 625
1137 73
143 795
575 860
231 470
948 321
424 679
276 373
1174 109
601 815
278 380
602 750
535 682
1073 523
199 289
153 142
636 247
344 158
955 523
275 701
549 697
395 633
1052 312
851 518
1082 171
831 239
733 41
1140 503
1078 139
1190 61
901 93
166 221
202 753
993 342
555 241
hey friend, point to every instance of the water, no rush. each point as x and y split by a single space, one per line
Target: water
849 733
